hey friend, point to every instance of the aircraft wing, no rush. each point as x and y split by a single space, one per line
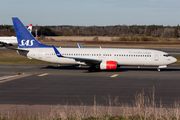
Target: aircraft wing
86 60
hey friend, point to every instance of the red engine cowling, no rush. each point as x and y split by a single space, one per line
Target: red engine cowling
107 65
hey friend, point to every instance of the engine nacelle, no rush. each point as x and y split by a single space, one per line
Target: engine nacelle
107 65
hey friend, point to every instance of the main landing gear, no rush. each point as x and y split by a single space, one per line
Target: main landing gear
93 68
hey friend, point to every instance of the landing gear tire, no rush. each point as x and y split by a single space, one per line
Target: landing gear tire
93 69
90 70
159 70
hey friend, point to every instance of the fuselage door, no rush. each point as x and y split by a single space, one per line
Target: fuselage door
40 54
156 57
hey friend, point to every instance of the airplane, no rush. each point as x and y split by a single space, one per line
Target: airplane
9 41
96 58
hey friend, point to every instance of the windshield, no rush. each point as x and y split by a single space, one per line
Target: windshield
166 55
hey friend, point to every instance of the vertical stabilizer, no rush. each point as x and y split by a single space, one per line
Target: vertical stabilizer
24 37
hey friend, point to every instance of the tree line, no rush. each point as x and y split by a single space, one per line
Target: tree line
117 30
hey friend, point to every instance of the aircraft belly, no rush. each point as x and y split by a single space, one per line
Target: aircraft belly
61 60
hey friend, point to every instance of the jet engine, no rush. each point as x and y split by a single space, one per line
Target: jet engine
107 65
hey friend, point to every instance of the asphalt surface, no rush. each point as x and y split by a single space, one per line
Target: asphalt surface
52 85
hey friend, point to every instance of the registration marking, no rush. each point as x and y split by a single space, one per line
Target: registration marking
43 74
115 75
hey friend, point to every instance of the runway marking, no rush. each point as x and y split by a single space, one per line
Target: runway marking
7 77
115 75
43 74
10 78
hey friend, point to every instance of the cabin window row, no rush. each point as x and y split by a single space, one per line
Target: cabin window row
70 54
132 55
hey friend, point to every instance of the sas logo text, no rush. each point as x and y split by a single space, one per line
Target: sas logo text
26 43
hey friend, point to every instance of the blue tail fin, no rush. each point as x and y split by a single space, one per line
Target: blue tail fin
24 37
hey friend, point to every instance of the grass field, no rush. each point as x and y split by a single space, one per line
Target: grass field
11 57
143 107
105 41
108 38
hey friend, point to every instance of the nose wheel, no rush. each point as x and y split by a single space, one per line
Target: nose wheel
159 70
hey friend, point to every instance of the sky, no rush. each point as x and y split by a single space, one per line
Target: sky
91 12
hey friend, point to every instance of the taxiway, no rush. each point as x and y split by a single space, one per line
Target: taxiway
52 85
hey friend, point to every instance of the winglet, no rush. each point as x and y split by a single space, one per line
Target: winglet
79 45
58 54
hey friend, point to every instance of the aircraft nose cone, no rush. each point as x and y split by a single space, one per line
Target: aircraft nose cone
174 60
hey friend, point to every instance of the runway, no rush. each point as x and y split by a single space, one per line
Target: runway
52 85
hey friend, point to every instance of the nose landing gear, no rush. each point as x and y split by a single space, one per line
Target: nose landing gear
159 70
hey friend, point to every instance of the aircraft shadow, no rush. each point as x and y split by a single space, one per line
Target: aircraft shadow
69 67
76 67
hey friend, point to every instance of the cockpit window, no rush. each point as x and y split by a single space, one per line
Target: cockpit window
166 55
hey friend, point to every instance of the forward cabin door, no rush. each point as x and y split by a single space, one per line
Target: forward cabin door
156 56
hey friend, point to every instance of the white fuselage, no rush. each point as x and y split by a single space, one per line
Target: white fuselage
138 57
8 40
